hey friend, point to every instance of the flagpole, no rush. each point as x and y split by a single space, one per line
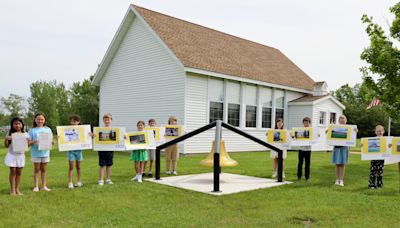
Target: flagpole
390 120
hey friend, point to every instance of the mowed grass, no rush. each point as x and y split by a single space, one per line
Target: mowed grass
317 202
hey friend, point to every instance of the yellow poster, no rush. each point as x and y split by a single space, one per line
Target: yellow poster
302 133
156 131
375 145
173 131
276 136
71 134
107 135
339 132
396 146
76 137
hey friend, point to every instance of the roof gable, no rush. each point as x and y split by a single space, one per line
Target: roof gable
203 48
312 100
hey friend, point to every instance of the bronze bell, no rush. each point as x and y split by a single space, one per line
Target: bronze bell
225 160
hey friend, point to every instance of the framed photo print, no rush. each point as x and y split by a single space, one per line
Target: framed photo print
109 139
173 131
341 135
159 134
139 140
75 137
303 136
374 148
277 136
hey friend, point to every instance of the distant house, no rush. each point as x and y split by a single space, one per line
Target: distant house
158 65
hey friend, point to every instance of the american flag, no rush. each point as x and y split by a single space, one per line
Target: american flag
374 102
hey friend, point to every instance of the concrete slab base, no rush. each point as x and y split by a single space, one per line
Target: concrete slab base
229 183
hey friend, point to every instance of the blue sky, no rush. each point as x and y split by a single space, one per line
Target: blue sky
66 40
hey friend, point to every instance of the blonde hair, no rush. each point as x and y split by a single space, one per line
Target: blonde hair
379 127
344 117
172 118
107 115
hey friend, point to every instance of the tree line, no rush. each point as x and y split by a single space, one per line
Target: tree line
56 101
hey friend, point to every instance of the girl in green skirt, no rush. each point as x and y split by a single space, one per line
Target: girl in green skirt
139 157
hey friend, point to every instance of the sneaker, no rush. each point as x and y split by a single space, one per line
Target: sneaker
175 173
337 182
341 183
283 175
101 182
139 180
79 184
150 174
143 174
108 181
46 189
35 189
71 185
135 178
274 174
168 172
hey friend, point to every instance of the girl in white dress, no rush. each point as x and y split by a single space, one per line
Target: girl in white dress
15 159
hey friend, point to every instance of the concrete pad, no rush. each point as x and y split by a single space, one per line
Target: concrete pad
229 183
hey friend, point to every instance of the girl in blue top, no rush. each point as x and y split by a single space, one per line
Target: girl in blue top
340 156
40 158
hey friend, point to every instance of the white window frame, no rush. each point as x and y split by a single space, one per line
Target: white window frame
336 117
319 118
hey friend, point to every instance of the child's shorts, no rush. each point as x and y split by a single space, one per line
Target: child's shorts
172 153
15 160
40 160
106 158
152 153
75 155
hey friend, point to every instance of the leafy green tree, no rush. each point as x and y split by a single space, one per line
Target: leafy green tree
85 101
383 59
51 98
14 104
356 99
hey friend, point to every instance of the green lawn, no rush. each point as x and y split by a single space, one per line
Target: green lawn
317 202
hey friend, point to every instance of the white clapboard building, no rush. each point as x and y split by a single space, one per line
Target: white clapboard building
157 66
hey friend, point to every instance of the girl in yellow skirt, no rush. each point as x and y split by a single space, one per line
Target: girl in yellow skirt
139 156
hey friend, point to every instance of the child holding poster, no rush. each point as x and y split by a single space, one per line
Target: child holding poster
376 168
304 154
15 159
171 152
274 155
106 157
74 155
340 156
152 152
40 158
139 156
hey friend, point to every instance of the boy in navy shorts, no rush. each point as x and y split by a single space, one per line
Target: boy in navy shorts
106 157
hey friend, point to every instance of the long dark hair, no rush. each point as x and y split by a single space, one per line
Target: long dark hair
279 120
12 130
36 115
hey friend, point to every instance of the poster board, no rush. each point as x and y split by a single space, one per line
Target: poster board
173 131
341 135
140 140
19 142
76 137
109 139
45 140
159 134
303 136
395 151
278 137
375 148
